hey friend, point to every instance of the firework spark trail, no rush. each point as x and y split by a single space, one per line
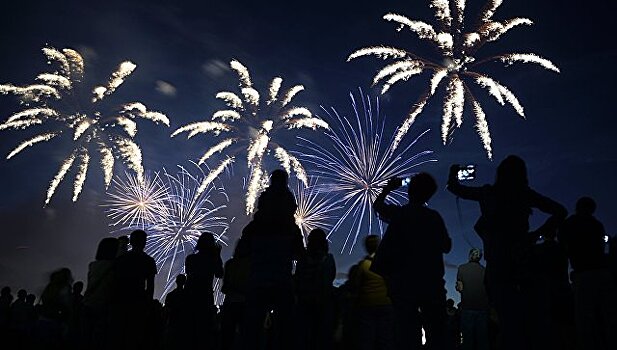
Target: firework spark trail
80 178
30 142
315 209
66 165
357 163
56 101
458 50
251 124
214 174
172 211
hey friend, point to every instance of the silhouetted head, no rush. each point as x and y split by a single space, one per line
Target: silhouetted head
317 242
107 249
61 277
138 240
450 303
421 188
6 291
205 242
78 287
22 294
585 206
475 255
371 243
279 178
181 280
512 173
30 299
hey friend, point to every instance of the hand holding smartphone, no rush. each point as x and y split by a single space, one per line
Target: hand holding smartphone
466 172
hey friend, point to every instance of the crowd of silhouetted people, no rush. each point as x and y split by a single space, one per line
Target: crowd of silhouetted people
552 287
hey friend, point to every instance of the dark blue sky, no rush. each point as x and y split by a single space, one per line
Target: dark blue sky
567 139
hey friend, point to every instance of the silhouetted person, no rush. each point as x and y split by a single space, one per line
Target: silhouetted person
77 299
595 292
315 273
177 314
176 306
234 287
55 308
453 329
6 298
348 318
21 297
56 298
273 242
474 303
553 277
22 320
78 287
133 289
98 295
508 246
410 258
75 323
201 268
16 314
374 316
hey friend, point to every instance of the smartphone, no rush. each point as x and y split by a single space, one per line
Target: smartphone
466 172
405 182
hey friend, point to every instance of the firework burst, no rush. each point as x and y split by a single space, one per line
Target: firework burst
173 213
249 124
137 204
358 163
56 99
458 49
174 235
315 209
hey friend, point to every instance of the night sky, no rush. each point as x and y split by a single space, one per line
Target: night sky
182 50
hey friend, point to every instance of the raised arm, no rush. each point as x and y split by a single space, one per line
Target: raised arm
459 190
386 211
546 205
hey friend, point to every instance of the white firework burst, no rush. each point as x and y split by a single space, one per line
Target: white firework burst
56 99
173 235
357 163
249 125
137 204
458 49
